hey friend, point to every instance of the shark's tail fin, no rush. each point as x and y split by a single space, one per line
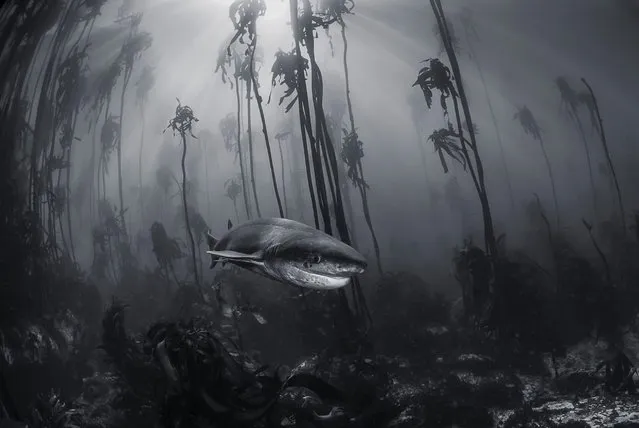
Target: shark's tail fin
211 241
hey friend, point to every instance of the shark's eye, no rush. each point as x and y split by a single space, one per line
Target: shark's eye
313 259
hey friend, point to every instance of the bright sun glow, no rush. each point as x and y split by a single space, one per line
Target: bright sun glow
277 11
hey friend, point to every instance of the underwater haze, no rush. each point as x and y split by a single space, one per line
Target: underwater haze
319 213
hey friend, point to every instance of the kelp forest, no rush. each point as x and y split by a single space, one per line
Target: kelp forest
486 176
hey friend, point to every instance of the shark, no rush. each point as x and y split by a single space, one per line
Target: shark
289 252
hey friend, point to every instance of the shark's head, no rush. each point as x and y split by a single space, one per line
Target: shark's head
318 262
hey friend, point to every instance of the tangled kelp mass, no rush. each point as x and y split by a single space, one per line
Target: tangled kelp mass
484 169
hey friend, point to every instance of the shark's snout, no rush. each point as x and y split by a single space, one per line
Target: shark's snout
355 265
358 268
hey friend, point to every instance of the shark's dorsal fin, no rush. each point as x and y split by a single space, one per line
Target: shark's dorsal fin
229 225
235 256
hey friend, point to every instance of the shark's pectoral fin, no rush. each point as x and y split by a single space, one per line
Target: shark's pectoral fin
235 256
211 240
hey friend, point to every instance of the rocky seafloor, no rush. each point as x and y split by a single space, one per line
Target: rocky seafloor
452 389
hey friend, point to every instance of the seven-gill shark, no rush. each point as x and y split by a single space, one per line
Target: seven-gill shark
288 251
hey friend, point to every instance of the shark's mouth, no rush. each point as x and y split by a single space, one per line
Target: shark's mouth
302 276
323 280
313 279
328 275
